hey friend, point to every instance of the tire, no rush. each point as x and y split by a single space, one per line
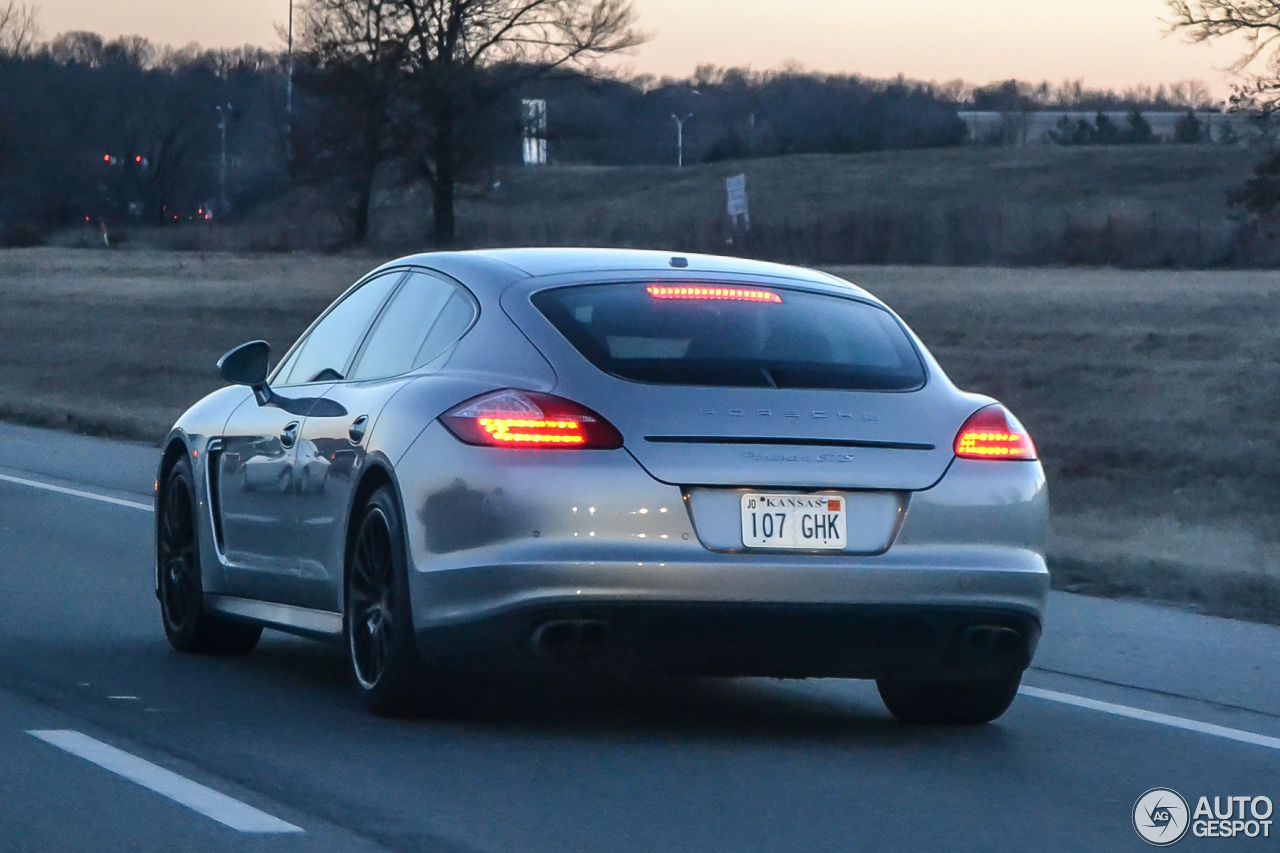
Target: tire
189 627
382 653
949 702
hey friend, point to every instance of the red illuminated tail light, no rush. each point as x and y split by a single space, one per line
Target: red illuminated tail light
689 291
527 420
994 433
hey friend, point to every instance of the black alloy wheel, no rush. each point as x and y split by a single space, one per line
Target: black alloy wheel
372 593
382 651
180 581
181 591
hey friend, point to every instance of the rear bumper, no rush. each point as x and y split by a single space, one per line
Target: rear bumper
713 639
900 612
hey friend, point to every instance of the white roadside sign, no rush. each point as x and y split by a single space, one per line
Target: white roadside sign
736 191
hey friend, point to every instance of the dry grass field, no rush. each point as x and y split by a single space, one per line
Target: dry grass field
119 343
1155 400
1154 396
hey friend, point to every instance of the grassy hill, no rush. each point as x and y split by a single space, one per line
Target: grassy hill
1125 206
1128 206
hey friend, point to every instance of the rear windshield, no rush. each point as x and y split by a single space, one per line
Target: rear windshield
699 333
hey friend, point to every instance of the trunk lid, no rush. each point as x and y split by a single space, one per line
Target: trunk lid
739 437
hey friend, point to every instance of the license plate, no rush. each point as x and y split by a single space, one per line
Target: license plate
804 522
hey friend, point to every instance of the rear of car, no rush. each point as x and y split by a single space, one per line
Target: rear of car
731 474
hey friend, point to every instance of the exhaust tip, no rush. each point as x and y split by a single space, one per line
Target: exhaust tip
569 638
991 643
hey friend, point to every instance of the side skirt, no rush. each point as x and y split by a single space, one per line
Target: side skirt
315 624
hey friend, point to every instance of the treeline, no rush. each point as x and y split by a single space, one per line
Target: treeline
738 113
1074 96
125 130
1189 129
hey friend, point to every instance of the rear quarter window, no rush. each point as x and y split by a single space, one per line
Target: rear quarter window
734 336
426 316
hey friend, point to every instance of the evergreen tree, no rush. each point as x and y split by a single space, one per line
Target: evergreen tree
1187 130
1139 130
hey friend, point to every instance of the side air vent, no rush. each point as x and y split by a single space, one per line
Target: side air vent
213 458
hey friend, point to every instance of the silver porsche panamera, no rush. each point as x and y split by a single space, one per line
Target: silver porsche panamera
612 460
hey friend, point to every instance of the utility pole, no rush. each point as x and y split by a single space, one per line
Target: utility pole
288 97
223 115
680 138
288 88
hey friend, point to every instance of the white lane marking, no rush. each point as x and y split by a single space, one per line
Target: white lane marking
208 802
1153 717
36 484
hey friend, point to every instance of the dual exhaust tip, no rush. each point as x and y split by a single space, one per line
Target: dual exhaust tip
990 644
573 639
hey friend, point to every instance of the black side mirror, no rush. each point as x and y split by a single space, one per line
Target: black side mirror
248 364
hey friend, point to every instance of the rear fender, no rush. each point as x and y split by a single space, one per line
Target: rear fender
982 502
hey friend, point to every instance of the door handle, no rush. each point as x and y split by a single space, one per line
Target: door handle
289 434
358 426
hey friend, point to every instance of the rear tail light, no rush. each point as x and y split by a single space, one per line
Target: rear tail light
994 433
527 420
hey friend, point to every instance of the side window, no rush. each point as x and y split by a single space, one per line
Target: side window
327 349
423 319
458 314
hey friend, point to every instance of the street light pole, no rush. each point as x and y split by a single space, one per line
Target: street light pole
222 165
680 138
288 89
288 97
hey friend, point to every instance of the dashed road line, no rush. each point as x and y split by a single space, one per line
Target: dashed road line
79 493
199 798
1152 717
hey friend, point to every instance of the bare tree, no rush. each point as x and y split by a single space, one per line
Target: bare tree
163 127
350 75
455 60
18 29
1191 94
1257 23
77 47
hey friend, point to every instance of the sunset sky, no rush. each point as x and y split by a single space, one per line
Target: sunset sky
1109 43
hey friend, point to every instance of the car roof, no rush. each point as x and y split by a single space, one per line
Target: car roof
501 266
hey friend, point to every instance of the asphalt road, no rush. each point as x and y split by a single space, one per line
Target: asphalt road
1124 697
